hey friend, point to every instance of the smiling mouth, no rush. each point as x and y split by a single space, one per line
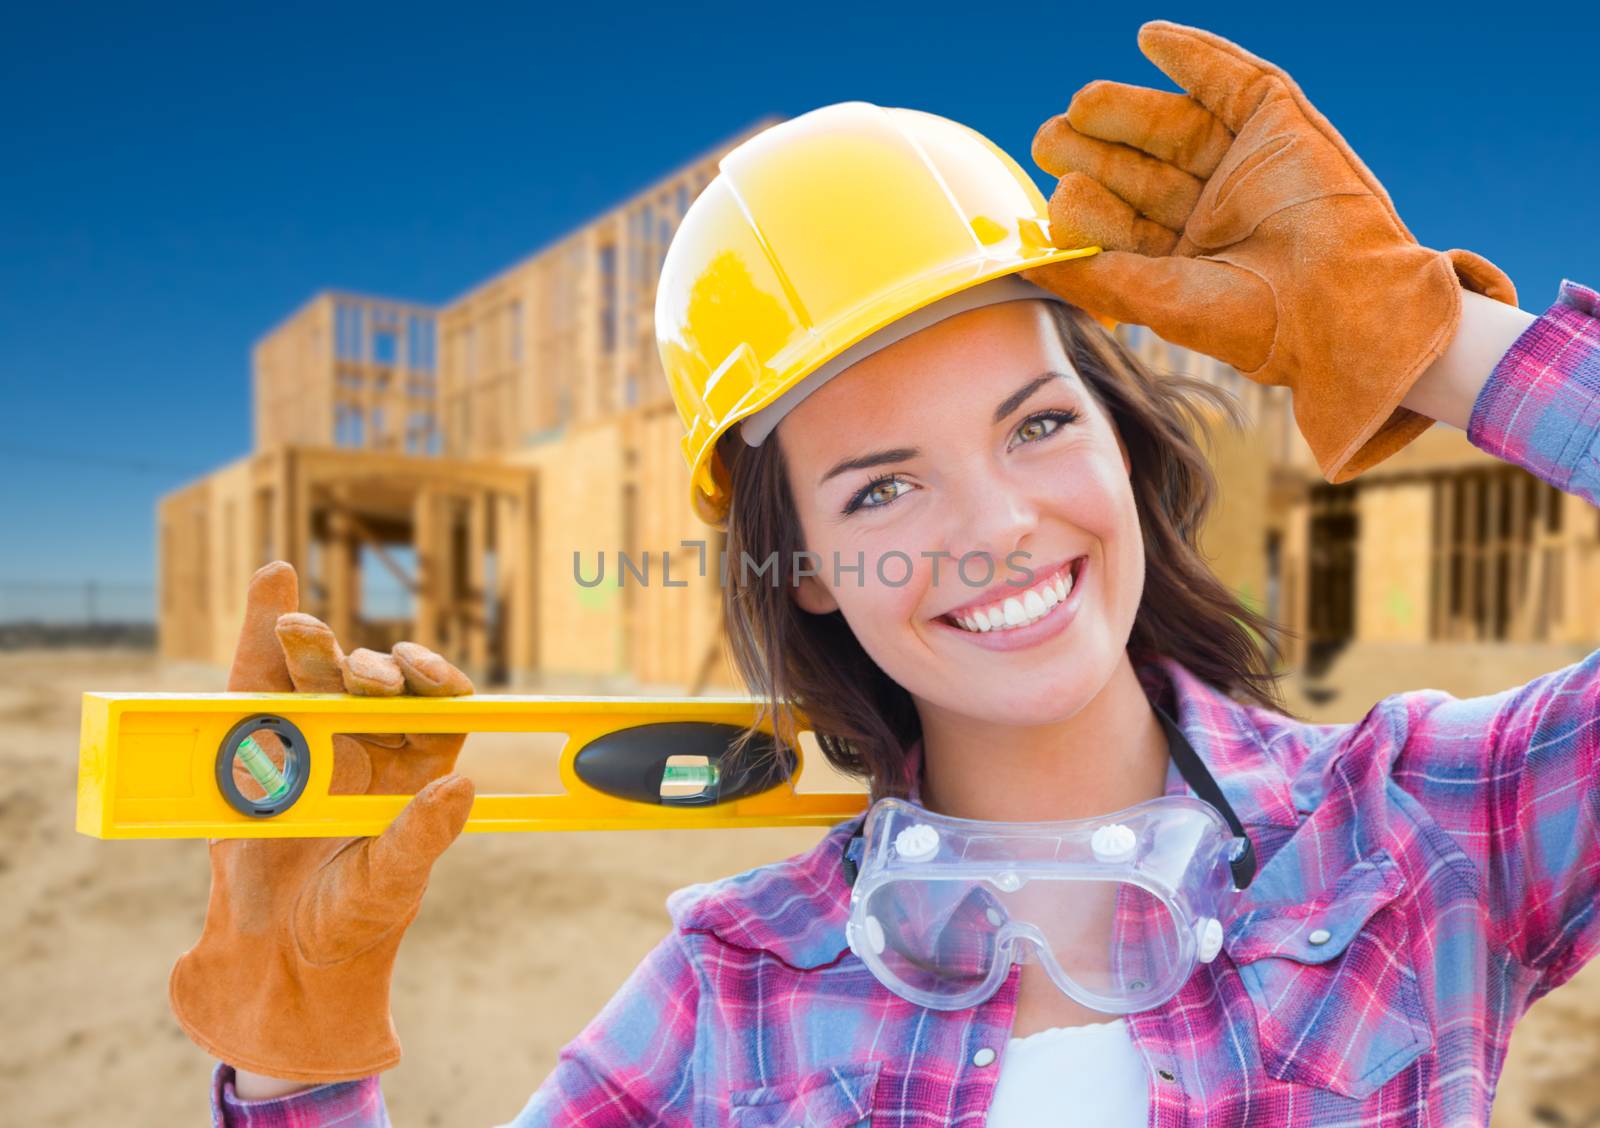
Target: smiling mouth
1031 604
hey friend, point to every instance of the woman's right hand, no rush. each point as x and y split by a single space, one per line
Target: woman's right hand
1236 221
290 976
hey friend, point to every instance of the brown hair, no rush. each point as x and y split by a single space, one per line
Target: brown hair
863 720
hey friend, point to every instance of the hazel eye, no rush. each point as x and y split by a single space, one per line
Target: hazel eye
873 495
1044 424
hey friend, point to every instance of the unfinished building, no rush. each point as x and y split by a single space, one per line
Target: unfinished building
349 371
479 458
484 458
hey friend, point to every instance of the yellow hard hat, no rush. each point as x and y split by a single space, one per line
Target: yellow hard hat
816 233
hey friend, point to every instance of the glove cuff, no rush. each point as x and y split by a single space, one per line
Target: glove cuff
266 1031
1481 276
1402 427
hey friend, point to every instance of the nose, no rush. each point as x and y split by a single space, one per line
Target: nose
993 517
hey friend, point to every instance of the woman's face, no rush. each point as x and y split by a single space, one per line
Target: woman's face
975 438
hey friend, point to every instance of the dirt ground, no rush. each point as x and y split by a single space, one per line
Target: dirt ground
520 941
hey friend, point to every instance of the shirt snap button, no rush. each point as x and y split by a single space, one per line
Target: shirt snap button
1166 1075
983 1057
1319 937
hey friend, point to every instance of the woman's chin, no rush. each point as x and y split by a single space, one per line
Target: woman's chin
1008 704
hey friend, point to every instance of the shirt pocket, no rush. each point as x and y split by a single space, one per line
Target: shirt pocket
837 1097
1334 984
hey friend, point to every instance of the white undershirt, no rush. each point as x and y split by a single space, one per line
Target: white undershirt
1071 1075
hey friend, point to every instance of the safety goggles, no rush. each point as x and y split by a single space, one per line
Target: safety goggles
1119 909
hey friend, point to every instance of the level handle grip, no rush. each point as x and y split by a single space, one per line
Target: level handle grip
631 763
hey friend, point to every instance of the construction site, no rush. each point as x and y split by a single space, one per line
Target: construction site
468 455
433 472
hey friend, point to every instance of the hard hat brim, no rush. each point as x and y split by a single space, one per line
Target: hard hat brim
867 321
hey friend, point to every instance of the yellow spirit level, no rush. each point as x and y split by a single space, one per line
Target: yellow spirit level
159 765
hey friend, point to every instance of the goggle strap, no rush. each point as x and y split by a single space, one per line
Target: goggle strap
852 851
1198 776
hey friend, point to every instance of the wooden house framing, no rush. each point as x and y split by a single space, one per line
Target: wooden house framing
489 456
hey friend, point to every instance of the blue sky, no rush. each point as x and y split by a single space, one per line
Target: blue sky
177 179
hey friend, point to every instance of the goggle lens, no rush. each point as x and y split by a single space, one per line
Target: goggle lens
1113 940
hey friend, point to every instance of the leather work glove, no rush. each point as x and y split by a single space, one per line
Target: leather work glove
1235 221
290 976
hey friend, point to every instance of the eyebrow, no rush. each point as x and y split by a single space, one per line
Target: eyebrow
900 454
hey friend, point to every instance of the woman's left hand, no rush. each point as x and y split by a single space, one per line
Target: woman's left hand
1237 222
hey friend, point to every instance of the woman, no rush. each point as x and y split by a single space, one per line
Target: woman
1419 877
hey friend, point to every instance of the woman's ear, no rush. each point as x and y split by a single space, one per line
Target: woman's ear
813 595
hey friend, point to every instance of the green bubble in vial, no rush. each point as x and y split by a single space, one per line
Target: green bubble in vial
262 770
701 775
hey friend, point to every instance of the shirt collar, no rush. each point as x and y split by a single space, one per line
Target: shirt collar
796 909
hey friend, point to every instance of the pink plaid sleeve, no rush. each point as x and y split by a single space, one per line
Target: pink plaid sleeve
1545 826
349 1104
1515 776
635 1063
1541 405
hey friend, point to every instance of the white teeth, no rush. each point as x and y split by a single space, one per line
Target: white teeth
1034 604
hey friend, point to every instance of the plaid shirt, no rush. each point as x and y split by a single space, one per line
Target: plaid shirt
1444 852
